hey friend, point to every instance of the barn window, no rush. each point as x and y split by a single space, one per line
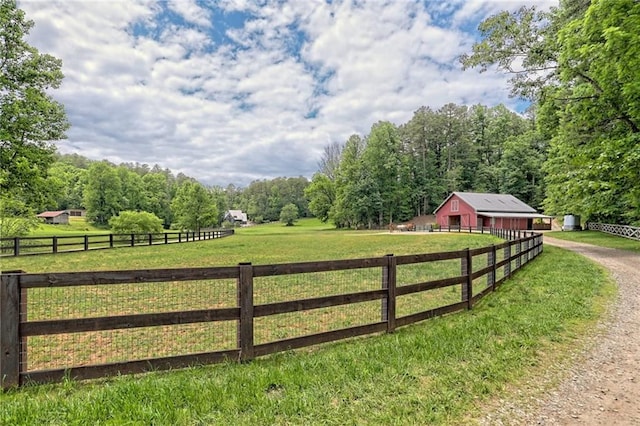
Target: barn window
454 205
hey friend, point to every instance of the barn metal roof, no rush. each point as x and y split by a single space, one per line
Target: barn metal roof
52 214
498 203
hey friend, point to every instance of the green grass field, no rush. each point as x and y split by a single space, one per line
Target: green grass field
76 226
437 372
263 244
598 238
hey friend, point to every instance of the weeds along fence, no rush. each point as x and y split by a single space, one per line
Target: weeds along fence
21 246
86 325
631 232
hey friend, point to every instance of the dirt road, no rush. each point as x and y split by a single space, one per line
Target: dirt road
603 385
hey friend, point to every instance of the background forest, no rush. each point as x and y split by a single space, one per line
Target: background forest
392 174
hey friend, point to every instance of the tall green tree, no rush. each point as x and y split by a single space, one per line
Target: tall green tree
194 207
133 193
321 194
66 185
426 189
102 193
348 173
30 119
578 62
520 168
158 195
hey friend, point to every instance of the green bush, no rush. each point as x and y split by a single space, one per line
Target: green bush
132 222
289 214
16 218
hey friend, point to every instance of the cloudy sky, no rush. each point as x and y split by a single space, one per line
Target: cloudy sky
236 90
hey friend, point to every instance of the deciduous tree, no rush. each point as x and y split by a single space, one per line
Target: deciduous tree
194 207
289 214
102 193
30 119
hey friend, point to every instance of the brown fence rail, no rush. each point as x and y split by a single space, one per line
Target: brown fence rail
507 234
94 324
631 232
21 246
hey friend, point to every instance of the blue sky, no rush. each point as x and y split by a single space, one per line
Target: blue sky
236 90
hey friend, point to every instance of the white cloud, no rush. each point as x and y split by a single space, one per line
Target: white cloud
183 97
190 12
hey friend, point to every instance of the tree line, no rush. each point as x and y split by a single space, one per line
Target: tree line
105 189
397 172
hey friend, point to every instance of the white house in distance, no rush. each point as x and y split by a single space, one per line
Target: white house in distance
237 217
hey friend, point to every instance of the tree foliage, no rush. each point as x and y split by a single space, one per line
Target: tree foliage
321 194
102 193
16 218
194 207
132 222
289 214
579 65
30 119
397 172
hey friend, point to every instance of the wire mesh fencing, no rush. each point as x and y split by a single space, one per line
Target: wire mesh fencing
91 324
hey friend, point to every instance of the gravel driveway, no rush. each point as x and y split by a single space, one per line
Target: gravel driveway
603 386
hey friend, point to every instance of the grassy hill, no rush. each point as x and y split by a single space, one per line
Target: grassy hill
76 226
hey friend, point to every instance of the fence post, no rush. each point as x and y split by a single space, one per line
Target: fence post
245 302
16 246
110 240
9 330
541 243
507 266
491 261
466 269
54 244
150 239
388 305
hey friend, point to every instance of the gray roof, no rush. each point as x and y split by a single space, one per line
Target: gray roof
505 203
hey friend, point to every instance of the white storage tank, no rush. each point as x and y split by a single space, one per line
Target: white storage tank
571 223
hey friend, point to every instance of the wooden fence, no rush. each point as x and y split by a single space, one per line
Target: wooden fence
632 232
21 246
463 277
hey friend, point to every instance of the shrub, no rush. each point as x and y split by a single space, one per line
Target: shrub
289 214
132 222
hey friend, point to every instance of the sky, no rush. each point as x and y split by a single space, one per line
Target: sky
233 91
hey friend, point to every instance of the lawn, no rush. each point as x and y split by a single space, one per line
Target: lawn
262 244
598 238
438 372
76 226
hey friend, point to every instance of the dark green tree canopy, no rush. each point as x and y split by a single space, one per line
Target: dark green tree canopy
579 63
29 117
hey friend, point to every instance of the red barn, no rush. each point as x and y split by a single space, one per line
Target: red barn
502 211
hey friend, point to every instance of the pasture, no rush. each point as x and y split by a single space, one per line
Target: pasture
431 372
